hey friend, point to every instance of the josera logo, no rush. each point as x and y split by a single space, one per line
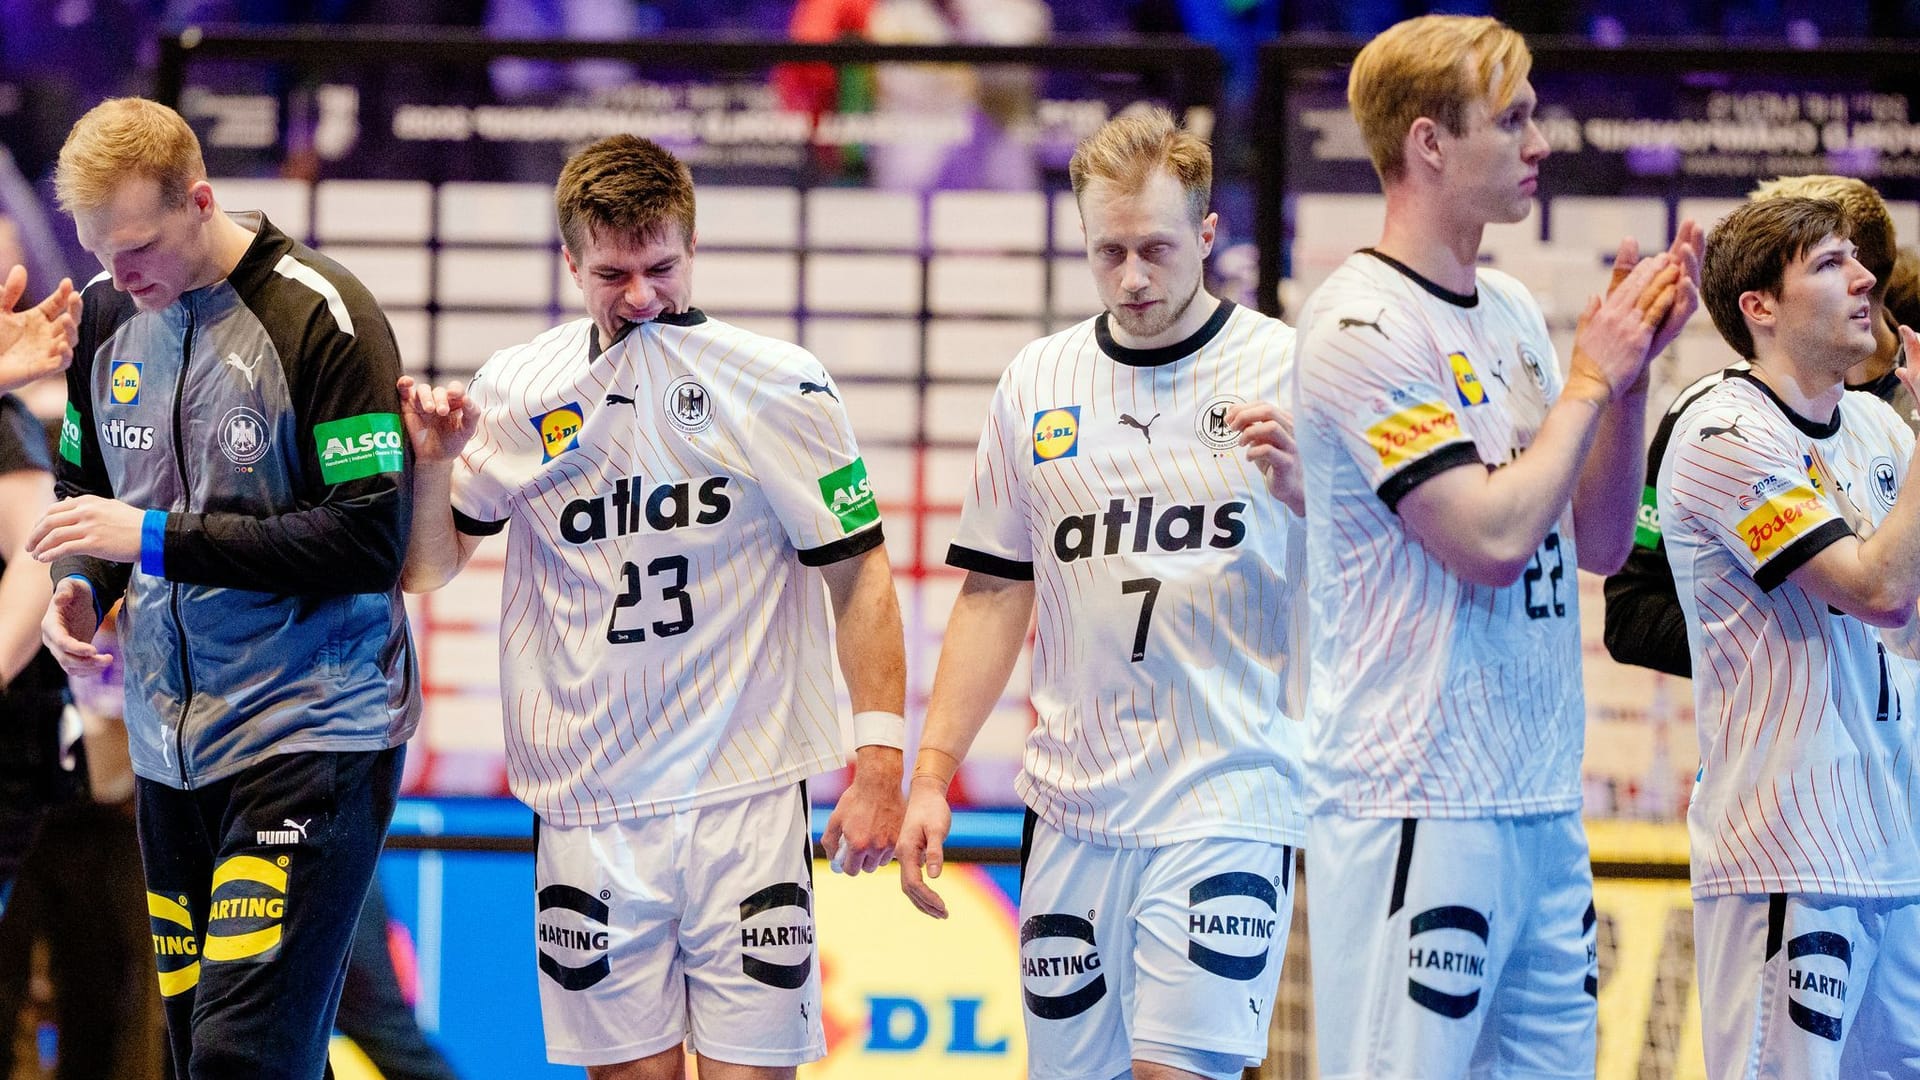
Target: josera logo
1447 960
957 1018
571 926
1817 968
124 383
559 430
176 948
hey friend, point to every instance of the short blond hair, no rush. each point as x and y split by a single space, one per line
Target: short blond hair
121 139
1869 225
1130 148
1434 66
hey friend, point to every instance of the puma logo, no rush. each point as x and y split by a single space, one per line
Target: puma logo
1254 1006
817 388
620 399
297 826
289 832
1732 429
1349 324
1144 429
244 368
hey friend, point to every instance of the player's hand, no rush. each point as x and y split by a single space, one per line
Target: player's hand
88 525
39 341
1611 345
1908 374
922 839
865 823
69 626
1266 430
439 419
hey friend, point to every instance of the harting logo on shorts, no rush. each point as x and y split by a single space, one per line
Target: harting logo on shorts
572 930
1057 953
249 906
776 935
1817 968
1231 920
1447 960
176 948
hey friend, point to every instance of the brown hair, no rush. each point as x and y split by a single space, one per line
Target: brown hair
1869 225
1130 148
622 184
1434 66
1903 289
125 138
1750 250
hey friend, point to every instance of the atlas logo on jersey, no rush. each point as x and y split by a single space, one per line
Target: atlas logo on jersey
1133 527
1447 960
559 430
1472 392
571 927
776 936
124 383
1057 953
1817 968
1056 434
1237 911
664 507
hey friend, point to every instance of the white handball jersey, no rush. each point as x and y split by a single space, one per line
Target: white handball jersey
1807 744
663 645
1429 696
1109 478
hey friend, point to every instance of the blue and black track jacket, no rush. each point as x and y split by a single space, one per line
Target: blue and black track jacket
256 420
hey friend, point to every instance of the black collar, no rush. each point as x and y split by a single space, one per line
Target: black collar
1465 300
1165 354
1810 428
689 317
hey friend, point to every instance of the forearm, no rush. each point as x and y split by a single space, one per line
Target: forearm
1612 481
435 550
354 546
869 638
25 591
977 653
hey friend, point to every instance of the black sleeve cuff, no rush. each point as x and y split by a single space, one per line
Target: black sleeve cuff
1401 484
1797 554
980 562
476 527
841 550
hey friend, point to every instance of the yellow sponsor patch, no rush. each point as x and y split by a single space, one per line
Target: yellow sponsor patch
1411 434
1781 520
1056 434
249 905
125 383
176 949
559 430
1464 378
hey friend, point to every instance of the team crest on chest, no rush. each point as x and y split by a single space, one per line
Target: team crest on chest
689 405
1535 366
1211 425
244 436
1886 482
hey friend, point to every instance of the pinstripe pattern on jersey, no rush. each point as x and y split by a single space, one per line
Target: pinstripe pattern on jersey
1428 696
741 701
1189 741
1803 788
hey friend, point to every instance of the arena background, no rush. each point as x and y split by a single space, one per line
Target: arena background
904 212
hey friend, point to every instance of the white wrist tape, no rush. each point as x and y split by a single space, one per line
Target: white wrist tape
878 728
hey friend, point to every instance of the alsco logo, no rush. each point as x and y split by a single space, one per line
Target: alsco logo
359 446
124 384
849 496
559 430
70 435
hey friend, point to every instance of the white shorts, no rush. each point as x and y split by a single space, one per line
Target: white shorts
1168 954
694 923
1448 948
1810 987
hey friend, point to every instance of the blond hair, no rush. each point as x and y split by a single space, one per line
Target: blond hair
1869 225
122 139
1434 66
626 186
1130 148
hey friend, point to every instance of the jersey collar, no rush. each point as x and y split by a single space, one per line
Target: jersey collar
689 317
1465 300
1812 429
1165 354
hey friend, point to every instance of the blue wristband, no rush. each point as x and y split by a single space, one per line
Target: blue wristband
153 543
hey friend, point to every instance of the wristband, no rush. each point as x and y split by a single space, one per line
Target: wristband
933 770
153 543
877 727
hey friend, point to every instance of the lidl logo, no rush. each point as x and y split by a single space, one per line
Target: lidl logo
356 447
1813 474
849 495
125 383
1464 379
1056 434
559 430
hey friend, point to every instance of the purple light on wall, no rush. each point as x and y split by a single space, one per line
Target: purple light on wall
1653 160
